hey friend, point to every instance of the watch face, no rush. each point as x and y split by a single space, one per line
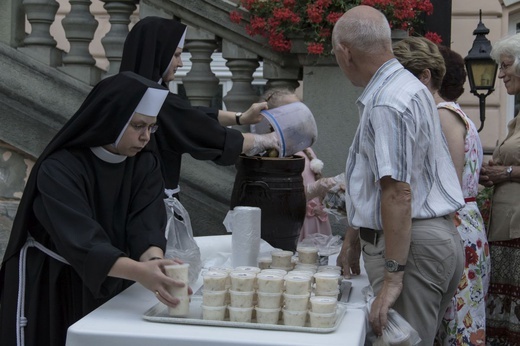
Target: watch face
393 266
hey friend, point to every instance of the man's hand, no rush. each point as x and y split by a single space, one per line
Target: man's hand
348 258
392 287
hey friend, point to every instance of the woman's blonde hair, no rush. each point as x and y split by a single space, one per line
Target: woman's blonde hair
417 54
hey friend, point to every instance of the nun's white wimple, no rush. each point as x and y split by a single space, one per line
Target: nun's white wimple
150 105
179 45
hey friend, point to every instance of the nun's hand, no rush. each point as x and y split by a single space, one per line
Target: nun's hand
253 115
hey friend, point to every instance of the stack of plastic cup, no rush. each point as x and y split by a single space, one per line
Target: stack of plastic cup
323 311
214 295
327 284
241 294
296 299
269 297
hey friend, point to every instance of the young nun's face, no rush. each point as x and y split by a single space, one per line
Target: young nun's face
136 135
176 62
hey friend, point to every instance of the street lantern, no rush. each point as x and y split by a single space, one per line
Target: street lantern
481 69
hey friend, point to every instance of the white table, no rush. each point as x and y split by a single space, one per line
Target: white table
119 321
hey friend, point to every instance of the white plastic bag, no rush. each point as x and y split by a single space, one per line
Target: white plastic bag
179 234
398 331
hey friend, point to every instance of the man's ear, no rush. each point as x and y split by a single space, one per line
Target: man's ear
345 52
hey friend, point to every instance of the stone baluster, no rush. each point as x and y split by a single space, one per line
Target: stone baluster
242 64
200 83
40 44
286 77
120 12
12 23
80 25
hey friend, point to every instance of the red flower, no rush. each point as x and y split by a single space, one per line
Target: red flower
235 17
472 275
434 37
334 17
279 20
401 14
315 48
471 256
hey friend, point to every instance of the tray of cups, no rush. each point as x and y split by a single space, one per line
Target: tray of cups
253 318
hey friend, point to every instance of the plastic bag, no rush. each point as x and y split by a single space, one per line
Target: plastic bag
398 331
327 245
180 242
334 200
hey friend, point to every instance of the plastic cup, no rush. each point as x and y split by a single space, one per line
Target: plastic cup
297 284
329 268
281 272
333 294
240 314
281 259
269 283
264 262
294 318
214 298
241 299
247 269
295 302
307 254
323 304
242 281
300 272
267 316
326 281
307 267
179 272
214 280
269 300
322 320
215 313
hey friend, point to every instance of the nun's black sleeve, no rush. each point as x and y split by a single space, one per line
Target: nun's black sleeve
196 131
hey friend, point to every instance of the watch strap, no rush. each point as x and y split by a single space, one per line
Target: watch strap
237 117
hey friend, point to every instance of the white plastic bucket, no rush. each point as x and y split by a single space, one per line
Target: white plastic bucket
294 124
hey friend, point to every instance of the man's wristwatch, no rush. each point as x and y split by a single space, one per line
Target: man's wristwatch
509 171
237 117
393 266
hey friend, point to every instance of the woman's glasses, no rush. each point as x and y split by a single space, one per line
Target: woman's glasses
143 128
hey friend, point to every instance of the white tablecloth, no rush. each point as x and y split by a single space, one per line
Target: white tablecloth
120 322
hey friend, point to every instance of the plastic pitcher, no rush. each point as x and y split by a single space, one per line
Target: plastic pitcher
294 124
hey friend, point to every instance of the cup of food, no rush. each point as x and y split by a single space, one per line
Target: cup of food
179 272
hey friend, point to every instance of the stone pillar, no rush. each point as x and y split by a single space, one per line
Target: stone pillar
113 42
40 44
14 171
284 77
12 23
242 64
200 83
79 25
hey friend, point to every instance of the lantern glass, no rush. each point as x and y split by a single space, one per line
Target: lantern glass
482 73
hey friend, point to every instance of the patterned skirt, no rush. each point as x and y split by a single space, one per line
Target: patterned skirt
503 304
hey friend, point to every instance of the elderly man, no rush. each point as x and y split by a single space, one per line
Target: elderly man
401 183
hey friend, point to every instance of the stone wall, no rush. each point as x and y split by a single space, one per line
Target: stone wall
15 167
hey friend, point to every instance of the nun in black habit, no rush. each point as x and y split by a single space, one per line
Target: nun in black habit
92 218
153 50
